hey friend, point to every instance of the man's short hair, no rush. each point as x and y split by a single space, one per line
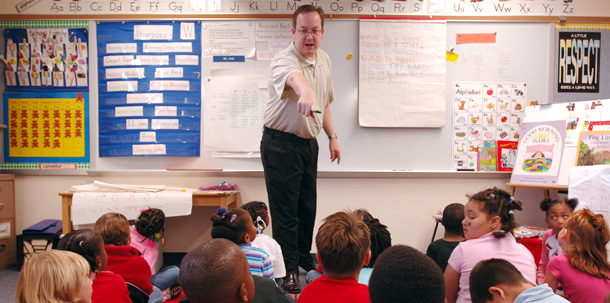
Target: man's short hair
453 215
403 274
343 243
492 272
114 229
306 9
211 271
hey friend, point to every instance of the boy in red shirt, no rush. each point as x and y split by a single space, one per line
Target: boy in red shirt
343 243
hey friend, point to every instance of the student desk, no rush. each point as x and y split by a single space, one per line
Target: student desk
219 199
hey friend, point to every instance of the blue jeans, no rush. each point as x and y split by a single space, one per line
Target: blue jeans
312 275
164 279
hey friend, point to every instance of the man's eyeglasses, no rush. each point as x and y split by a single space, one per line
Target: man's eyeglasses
315 32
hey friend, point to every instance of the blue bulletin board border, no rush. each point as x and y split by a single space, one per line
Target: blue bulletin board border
75 95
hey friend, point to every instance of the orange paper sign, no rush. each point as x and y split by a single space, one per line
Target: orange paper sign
475 38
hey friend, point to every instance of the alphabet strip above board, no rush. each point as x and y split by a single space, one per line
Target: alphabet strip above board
91 9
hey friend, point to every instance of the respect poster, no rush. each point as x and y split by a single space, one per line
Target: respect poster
579 62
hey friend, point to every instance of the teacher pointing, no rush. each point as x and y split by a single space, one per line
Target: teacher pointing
300 92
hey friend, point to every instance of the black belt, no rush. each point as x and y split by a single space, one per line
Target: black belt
285 135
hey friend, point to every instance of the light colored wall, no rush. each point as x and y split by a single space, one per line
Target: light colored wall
405 205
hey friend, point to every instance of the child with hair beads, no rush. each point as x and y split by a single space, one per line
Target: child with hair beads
583 269
146 232
557 212
126 261
488 225
260 216
236 225
55 276
107 286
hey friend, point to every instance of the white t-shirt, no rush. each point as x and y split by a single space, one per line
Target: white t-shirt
271 247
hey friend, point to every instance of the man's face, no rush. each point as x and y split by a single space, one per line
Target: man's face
308 34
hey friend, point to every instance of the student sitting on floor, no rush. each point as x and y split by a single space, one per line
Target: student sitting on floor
126 261
403 274
107 286
380 241
237 226
498 281
218 272
343 243
441 249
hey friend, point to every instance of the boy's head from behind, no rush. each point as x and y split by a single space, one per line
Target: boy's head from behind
216 271
492 281
380 235
343 243
114 229
403 274
150 223
233 224
453 215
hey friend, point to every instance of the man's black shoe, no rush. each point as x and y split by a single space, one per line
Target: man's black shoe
291 283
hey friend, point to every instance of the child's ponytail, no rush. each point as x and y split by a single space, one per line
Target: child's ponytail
84 243
499 202
230 224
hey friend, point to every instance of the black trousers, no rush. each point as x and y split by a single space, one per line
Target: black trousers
291 169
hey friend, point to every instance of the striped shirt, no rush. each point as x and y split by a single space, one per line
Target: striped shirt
259 260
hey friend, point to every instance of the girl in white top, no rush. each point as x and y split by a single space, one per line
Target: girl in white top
260 216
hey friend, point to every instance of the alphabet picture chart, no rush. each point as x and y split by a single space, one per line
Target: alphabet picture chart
484 111
51 127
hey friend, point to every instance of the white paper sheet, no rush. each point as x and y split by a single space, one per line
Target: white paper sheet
234 38
402 74
87 207
591 186
236 105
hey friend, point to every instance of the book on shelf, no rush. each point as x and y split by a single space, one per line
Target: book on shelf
593 148
488 156
507 155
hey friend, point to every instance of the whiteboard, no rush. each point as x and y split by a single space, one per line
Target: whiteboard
524 49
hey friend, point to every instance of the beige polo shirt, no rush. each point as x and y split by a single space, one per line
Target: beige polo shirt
281 113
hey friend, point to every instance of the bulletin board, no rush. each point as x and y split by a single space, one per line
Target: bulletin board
520 54
149 77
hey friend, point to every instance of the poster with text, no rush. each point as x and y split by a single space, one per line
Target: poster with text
579 62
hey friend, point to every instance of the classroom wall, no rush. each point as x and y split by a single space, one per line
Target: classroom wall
405 205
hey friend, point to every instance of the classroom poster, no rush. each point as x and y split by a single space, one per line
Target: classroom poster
46 128
401 79
149 88
579 62
539 153
589 184
46 59
484 111
593 148
234 112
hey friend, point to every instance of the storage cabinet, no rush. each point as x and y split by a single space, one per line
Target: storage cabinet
8 243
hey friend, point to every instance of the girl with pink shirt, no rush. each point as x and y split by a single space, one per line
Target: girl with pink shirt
583 269
488 224
557 212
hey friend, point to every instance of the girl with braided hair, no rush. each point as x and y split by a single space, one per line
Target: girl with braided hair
260 217
583 269
488 224
107 286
